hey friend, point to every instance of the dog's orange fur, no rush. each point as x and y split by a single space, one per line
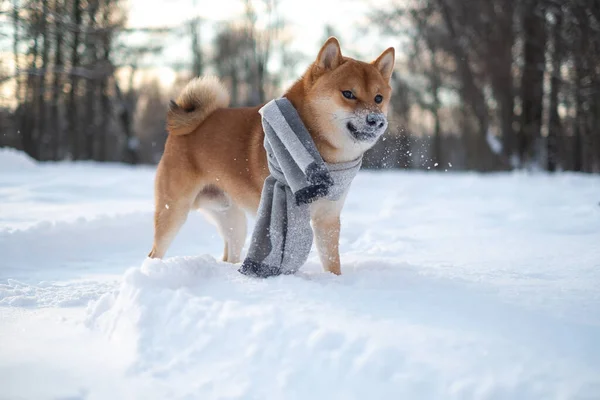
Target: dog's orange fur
214 159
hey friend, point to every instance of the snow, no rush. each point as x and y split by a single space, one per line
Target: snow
454 286
14 160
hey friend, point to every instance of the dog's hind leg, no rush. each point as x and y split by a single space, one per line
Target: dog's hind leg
174 196
229 219
168 219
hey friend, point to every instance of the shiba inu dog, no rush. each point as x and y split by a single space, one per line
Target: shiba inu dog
215 161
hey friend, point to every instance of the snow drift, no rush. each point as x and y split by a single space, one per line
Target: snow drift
382 330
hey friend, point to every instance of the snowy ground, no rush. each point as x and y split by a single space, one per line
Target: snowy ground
455 286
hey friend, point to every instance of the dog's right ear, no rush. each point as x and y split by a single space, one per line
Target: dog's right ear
330 56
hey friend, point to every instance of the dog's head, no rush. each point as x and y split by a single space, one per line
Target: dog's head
346 101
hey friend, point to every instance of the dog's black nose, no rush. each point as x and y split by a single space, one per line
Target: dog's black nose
375 119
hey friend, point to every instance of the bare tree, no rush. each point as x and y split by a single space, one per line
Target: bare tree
554 123
499 83
262 41
232 53
107 70
16 40
26 124
532 78
73 104
197 54
55 121
498 51
91 83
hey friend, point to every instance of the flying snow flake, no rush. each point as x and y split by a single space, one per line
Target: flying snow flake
133 143
167 206
493 141
435 165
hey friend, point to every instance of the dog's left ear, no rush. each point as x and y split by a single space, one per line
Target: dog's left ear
385 63
330 56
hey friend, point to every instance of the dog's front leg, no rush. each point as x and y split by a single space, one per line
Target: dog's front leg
325 216
327 236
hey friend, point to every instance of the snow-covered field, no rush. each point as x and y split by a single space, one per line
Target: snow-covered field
455 286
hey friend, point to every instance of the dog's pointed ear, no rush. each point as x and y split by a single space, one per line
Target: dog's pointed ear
385 63
330 56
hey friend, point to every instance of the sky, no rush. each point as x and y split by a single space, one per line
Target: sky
305 25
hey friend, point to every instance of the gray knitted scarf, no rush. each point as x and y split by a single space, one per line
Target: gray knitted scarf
282 236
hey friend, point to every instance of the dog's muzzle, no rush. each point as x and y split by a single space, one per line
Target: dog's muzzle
370 128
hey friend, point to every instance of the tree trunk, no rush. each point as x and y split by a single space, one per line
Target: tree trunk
404 159
91 83
437 143
504 80
579 116
261 72
106 74
104 121
585 82
197 59
471 94
435 88
503 92
27 120
18 79
595 64
16 21
235 83
577 131
73 108
56 86
42 127
580 131
126 120
554 124
532 83
597 120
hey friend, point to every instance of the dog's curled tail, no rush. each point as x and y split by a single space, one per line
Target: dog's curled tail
198 99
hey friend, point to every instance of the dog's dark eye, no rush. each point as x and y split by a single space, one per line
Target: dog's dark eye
348 94
378 99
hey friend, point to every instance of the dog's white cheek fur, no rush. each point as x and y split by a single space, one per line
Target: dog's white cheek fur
334 118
